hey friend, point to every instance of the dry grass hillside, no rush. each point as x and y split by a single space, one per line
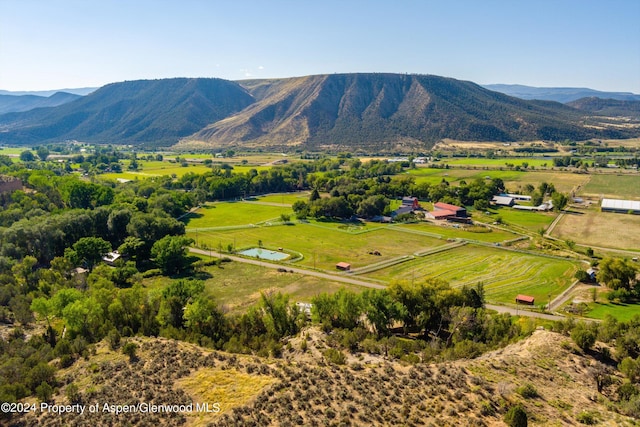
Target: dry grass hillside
303 389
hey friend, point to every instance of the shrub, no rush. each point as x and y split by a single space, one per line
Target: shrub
334 356
66 360
73 394
583 337
44 392
627 390
114 339
587 417
516 417
487 409
152 273
528 391
130 349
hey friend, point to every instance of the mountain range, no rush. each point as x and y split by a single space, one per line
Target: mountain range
363 111
19 103
559 94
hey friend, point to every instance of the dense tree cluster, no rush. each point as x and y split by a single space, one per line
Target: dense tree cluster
448 322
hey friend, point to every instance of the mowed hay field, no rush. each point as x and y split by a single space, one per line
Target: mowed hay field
604 229
504 273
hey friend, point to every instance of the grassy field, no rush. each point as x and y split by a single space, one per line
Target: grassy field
504 273
237 286
622 312
160 168
322 245
564 182
13 151
481 162
226 214
513 180
606 229
283 198
229 388
451 232
454 176
529 220
613 186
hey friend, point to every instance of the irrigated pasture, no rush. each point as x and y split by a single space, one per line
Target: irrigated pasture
504 273
225 214
529 220
323 246
451 232
605 229
454 176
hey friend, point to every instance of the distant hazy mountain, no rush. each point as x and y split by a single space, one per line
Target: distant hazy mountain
12 103
143 111
559 94
366 111
46 93
608 107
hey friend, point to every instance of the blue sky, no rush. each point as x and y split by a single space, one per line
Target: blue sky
52 44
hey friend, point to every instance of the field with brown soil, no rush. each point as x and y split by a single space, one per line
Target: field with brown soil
302 388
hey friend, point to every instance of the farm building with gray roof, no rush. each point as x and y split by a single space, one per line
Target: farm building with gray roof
620 206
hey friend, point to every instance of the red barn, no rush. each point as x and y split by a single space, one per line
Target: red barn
458 211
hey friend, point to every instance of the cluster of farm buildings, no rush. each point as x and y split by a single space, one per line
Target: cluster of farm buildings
511 200
441 211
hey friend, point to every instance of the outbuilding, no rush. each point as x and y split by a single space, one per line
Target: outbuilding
458 211
620 206
344 266
525 299
503 201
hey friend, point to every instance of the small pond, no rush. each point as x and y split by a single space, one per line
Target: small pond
265 254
